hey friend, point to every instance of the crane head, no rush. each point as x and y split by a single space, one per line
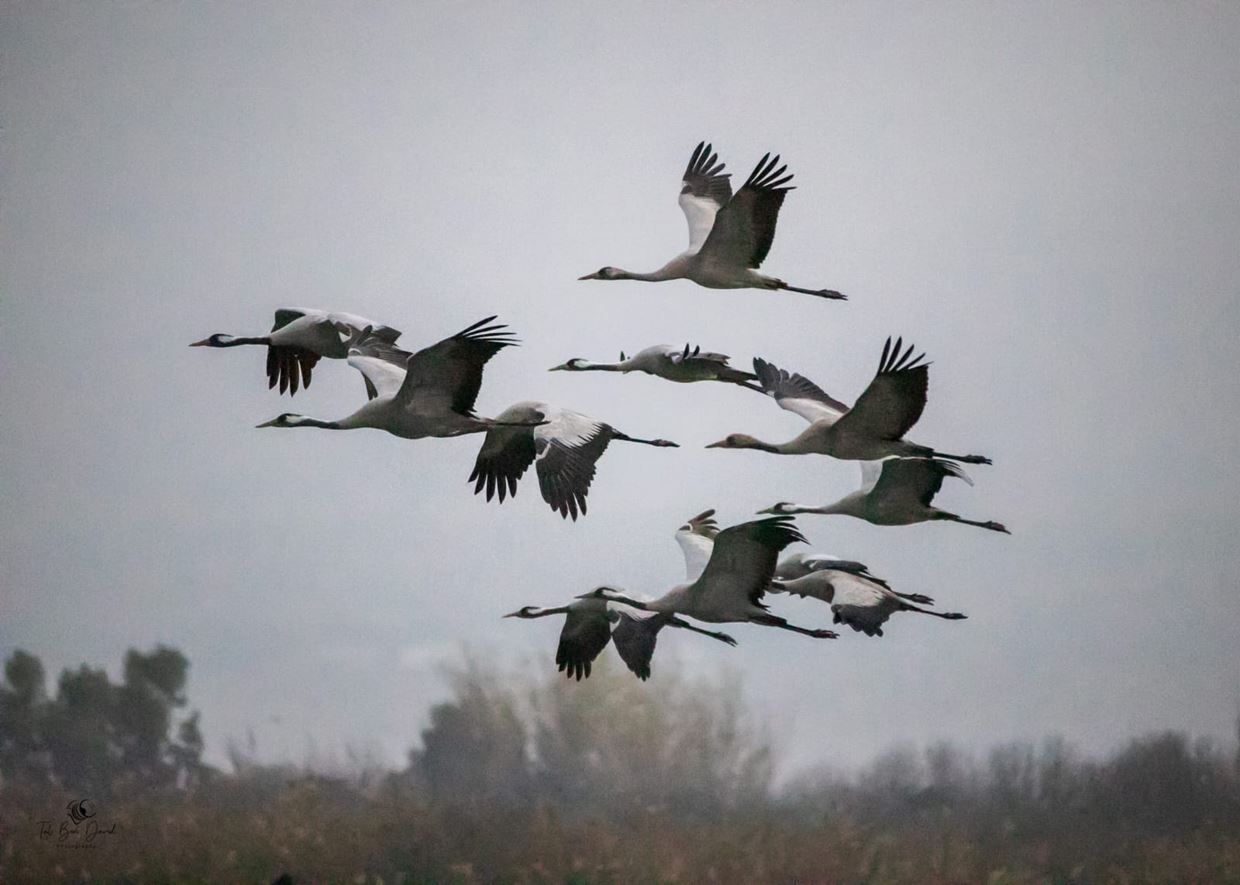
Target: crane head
576 364
604 273
219 339
525 611
735 441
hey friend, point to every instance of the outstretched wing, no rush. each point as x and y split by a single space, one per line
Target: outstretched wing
507 452
447 375
351 327
567 448
585 635
914 478
798 565
288 365
798 394
895 399
704 190
635 637
863 603
697 539
285 315
745 227
743 561
381 363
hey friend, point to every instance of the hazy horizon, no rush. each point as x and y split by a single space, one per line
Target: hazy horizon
1044 198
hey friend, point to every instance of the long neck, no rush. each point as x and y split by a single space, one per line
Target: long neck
657 276
544 612
303 421
775 448
825 509
231 341
600 367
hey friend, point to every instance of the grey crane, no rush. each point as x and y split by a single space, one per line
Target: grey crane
299 338
729 235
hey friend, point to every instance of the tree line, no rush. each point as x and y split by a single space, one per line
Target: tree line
522 778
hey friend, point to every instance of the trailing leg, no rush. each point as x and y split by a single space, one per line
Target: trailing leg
821 293
685 625
963 459
947 616
776 621
989 524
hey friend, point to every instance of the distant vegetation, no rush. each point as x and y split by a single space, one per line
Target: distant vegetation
608 780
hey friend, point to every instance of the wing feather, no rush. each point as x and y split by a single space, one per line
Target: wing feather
895 399
743 561
448 375
696 539
744 229
635 638
917 478
797 394
705 189
507 452
567 448
583 638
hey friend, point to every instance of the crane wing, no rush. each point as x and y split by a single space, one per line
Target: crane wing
744 228
704 190
697 539
507 452
351 326
895 399
635 637
285 315
382 366
798 565
586 633
447 376
567 448
689 355
914 478
743 561
289 366
862 603
798 394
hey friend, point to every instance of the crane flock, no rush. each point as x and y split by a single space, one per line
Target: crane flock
730 573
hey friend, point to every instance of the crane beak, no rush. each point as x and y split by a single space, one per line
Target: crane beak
771 510
203 343
271 423
563 367
590 276
722 444
513 614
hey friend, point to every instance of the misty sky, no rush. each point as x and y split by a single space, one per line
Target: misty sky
1044 197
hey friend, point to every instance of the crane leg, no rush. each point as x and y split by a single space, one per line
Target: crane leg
776 621
990 524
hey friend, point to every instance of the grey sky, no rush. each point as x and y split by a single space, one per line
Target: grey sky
1045 197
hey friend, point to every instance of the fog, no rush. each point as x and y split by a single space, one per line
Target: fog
1044 198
